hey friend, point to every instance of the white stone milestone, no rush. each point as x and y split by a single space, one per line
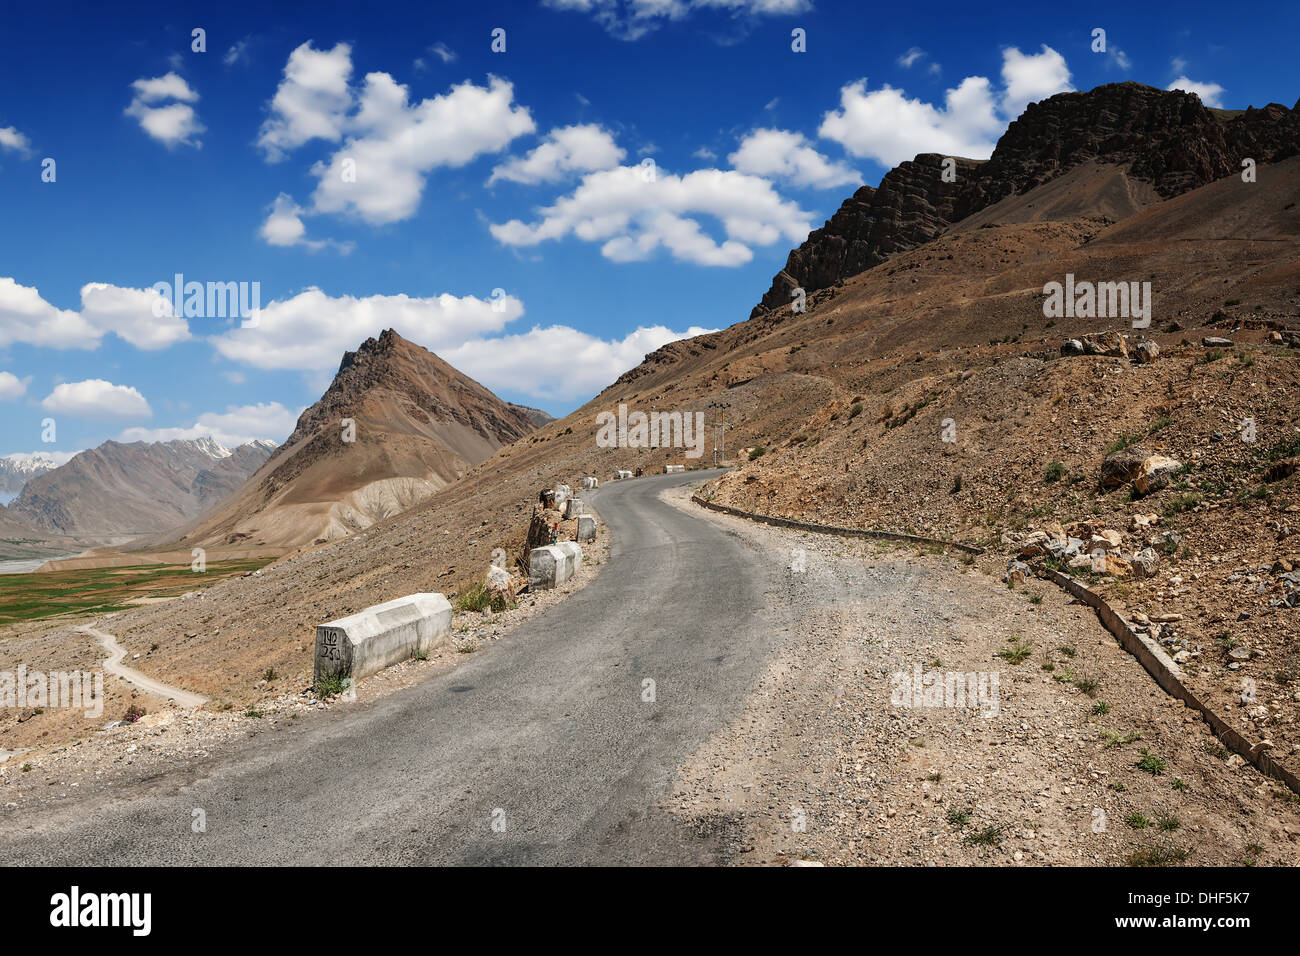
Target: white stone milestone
380 636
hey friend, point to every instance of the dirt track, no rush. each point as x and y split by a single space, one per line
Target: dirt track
113 664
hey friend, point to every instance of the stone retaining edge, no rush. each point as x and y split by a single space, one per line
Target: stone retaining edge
1169 676
832 529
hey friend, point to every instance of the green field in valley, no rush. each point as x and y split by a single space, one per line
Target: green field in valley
25 597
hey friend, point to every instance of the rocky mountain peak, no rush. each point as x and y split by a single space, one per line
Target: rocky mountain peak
416 425
1166 138
373 350
210 446
390 369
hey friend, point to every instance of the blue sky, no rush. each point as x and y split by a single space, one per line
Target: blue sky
379 164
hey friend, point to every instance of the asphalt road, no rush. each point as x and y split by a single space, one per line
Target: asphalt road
544 734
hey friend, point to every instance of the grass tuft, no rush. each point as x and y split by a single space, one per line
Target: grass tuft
478 596
331 685
1151 763
1017 652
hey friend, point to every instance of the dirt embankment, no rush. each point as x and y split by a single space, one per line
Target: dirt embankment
1028 439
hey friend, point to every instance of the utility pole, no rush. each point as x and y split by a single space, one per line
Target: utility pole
719 432
722 438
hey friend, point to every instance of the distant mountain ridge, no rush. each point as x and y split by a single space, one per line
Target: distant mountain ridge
18 469
137 487
535 415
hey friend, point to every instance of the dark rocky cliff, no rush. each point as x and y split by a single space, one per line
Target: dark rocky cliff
1164 137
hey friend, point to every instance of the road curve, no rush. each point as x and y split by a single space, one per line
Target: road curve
113 664
537 750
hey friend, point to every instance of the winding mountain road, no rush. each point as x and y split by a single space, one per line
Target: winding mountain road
537 750
113 664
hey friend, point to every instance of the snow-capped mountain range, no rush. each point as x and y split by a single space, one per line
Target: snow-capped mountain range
129 488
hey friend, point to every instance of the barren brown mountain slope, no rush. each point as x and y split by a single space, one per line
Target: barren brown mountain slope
20 541
1030 429
417 425
121 489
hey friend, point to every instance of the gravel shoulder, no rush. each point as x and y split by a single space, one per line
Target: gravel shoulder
825 766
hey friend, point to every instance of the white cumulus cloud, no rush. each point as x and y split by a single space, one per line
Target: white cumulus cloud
11 386
128 313
311 330
388 145
311 101
633 211
1211 94
788 155
889 127
395 145
96 398
26 317
284 227
1029 77
558 363
171 123
11 138
567 150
